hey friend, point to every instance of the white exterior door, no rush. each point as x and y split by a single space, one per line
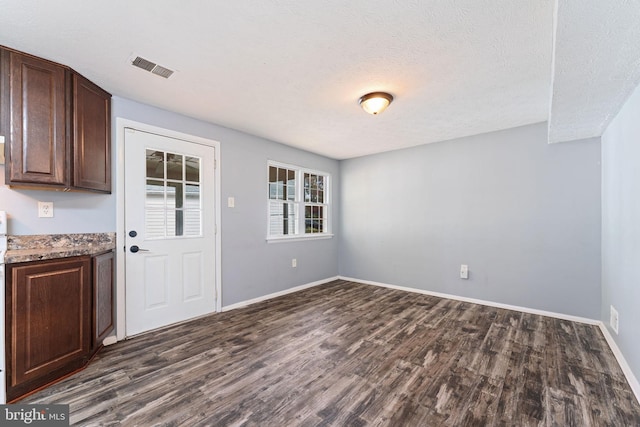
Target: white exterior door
170 230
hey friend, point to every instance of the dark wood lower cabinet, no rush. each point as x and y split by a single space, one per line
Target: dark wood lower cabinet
57 314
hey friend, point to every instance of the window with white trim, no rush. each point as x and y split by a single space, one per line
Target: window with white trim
299 202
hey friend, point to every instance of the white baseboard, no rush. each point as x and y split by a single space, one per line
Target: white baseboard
626 369
478 301
111 339
277 294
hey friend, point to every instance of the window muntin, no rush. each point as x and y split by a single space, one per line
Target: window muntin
173 205
298 202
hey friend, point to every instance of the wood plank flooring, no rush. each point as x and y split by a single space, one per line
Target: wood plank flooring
350 354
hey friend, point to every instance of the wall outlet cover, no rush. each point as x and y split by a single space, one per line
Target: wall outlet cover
45 209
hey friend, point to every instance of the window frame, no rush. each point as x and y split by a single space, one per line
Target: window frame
165 207
300 204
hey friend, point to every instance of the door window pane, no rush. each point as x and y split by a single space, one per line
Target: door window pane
192 200
154 196
154 223
155 164
168 198
171 223
192 223
175 166
175 196
192 169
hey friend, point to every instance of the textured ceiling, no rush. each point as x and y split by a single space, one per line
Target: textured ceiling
292 71
596 65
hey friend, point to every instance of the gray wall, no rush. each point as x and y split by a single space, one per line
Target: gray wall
621 228
523 214
73 212
251 267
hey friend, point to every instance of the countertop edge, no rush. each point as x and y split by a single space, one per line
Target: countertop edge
26 255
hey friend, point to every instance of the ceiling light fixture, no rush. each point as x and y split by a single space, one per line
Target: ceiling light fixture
375 102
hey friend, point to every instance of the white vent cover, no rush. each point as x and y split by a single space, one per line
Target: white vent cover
152 67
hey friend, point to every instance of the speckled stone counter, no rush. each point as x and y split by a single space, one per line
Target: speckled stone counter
50 246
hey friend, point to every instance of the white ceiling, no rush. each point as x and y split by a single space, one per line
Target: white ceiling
596 65
293 70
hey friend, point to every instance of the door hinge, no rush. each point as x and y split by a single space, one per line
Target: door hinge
215 163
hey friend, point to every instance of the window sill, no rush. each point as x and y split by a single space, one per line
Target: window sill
298 238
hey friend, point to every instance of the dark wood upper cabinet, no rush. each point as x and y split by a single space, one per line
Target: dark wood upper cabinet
35 100
91 136
56 124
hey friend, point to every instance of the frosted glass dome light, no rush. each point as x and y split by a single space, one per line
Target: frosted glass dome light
375 102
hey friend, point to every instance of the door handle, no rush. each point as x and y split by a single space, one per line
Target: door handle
135 249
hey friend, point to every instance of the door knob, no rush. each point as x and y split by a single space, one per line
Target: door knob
135 249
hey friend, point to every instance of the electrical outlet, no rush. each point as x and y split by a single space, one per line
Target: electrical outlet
45 209
294 263
464 271
231 202
613 319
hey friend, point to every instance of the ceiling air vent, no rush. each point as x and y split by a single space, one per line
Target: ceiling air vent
152 67
161 71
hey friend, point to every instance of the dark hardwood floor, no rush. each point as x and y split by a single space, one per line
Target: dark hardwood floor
351 354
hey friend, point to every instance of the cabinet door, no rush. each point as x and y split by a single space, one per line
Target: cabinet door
48 322
91 136
103 313
34 96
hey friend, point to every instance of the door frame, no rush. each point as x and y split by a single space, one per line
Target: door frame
121 124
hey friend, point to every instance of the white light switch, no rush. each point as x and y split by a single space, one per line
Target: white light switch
45 209
231 202
613 319
464 271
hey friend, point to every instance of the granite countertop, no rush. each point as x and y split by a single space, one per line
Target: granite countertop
51 246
